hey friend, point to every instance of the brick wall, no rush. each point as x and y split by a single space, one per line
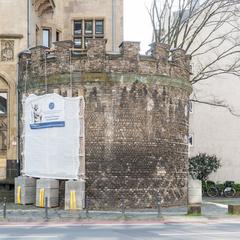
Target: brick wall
136 118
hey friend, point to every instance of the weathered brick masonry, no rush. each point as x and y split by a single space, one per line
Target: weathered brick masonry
136 118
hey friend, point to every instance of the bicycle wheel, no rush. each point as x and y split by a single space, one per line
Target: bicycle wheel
229 192
212 192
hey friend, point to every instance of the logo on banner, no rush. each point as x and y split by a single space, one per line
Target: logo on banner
47 114
51 106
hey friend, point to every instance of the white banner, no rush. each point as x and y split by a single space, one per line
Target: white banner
51 136
47 112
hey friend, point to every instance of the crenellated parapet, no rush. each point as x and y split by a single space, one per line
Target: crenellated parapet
162 62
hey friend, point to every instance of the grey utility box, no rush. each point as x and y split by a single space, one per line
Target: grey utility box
74 195
25 190
47 188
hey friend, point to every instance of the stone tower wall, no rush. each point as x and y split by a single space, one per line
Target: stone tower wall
136 118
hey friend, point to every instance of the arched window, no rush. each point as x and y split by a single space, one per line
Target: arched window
3 103
3 121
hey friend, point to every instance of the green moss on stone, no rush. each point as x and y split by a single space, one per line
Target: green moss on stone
107 78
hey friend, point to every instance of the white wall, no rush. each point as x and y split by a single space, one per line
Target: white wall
215 129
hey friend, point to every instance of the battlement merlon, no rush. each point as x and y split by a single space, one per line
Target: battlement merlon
160 51
130 50
96 59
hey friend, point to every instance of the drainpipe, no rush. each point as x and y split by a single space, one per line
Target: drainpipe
28 22
17 123
113 25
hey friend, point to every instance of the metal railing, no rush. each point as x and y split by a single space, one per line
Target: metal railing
87 212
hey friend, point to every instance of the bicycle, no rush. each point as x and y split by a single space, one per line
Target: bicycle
206 185
227 190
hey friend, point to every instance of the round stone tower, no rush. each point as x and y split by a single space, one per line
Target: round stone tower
136 117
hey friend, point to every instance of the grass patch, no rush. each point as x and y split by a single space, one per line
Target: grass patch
193 215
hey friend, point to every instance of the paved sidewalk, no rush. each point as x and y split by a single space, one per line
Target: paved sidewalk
212 209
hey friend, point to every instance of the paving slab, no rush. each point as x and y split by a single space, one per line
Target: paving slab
210 211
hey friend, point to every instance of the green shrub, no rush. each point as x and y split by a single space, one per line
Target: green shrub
237 187
202 165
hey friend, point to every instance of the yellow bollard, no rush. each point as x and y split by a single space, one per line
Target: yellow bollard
19 195
73 203
41 197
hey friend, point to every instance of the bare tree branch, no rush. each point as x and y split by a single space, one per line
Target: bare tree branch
221 104
197 28
202 28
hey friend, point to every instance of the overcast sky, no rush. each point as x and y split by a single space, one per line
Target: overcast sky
137 24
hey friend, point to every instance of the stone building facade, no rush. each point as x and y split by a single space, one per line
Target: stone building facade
136 117
27 23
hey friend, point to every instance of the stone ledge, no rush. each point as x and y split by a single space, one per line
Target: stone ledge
11 36
234 209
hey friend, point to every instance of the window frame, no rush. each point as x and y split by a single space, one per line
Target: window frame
85 34
80 46
49 36
74 31
99 33
85 21
58 35
5 115
7 95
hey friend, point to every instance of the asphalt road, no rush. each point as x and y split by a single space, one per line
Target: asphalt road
195 231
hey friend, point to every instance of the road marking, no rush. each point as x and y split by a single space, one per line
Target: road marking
107 224
152 224
197 234
27 236
53 225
